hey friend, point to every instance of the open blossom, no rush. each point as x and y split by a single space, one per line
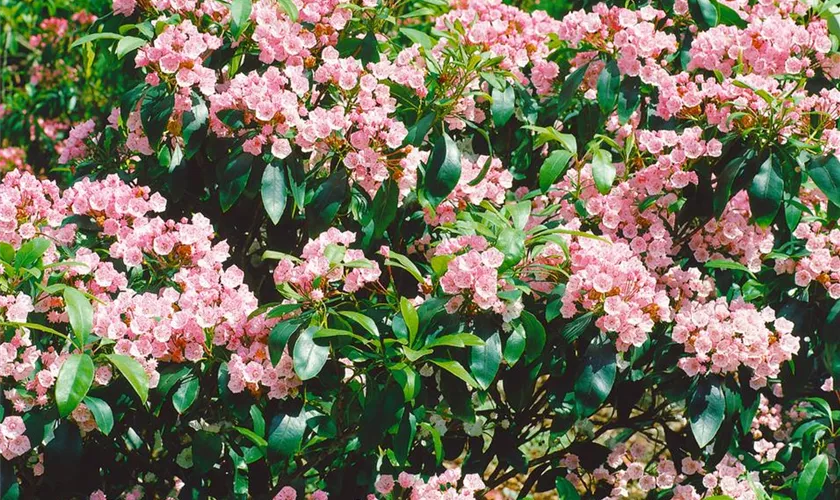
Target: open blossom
74 146
609 280
13 442
492 187
720 337
327 257
822 262
472 277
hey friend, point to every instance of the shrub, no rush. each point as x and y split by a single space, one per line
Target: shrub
421 249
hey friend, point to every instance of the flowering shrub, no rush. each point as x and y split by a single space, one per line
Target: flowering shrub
426 249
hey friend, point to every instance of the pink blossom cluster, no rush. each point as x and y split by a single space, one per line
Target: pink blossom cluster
723 336
75 146
730 478
204 306
634 37
493 187
520 38
437 487
52 30
13 158
280 39
773 45
177 55
609 280
318 268
214 9
472 277
627 470
13 441
821 264
733 236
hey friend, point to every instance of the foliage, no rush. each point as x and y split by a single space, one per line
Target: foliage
416 247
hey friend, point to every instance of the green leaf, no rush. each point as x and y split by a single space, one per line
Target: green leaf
279 338
485 360
514 346
94 37
534 336
133 371
290 8
766 191
73 383
603 170
629 98
570 87
727 264
309 357
365 322
186 394
128 44
566 489
825 171
608 86
30 252
728 16
723 189
234 179
455 340
417 132
194 128
80 311
412 320
811 481
384 209
405 436
502 106
101 413
369 49
443 170
155 111
327 200
596 381
240 12
274 191
511 243
704 13
206 450
410 381
286 434
706 410
418 37
553 167
455 368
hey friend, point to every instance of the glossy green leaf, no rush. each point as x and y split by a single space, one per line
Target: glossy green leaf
570 87
274 191
194 128
206 450
101 413
309 357
128 44
80 312
443 170
825 171
234 178
608 85
535 336
186 394
629 98
455 368
29 253
704 13
279 336
133 371
566 489
73 382
553 168
596 381
502 106
240 12
811 481
285 434
485 360
155 111
706 410
328 198
766 191
603 170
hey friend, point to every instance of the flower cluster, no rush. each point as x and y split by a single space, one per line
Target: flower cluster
324 261
723 336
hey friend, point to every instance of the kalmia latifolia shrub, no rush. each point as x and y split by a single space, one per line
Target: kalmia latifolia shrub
421 249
